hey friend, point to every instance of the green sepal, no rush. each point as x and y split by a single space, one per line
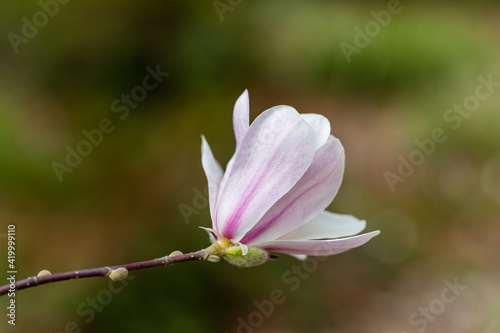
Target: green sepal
254 257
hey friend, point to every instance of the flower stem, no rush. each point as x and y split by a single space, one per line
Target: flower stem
34 281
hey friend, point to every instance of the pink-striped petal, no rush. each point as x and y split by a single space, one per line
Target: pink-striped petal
229 167
214 174
327 225
273 155
308 198
241 116
321 126
241 120
316 247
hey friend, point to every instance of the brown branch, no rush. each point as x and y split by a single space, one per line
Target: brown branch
34 281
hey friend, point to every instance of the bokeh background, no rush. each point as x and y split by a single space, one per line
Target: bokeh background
122 202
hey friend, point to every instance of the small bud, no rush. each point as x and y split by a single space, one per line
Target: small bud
213 258
43 273
118 274
175 253
254 257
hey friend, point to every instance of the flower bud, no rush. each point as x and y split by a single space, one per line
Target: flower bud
118 274
43 273
254 257
213 258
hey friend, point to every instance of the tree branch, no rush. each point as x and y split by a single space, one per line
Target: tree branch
34 281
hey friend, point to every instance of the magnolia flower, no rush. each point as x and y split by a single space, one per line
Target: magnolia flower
285 171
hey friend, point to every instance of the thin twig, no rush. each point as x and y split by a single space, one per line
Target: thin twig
34 281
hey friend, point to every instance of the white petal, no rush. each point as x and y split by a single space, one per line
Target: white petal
225 178
244 249
212 234
241 116
321 126
273 155
241 120
308 198
299 256
214 174
327 225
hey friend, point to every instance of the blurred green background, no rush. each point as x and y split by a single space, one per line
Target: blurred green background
121 203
